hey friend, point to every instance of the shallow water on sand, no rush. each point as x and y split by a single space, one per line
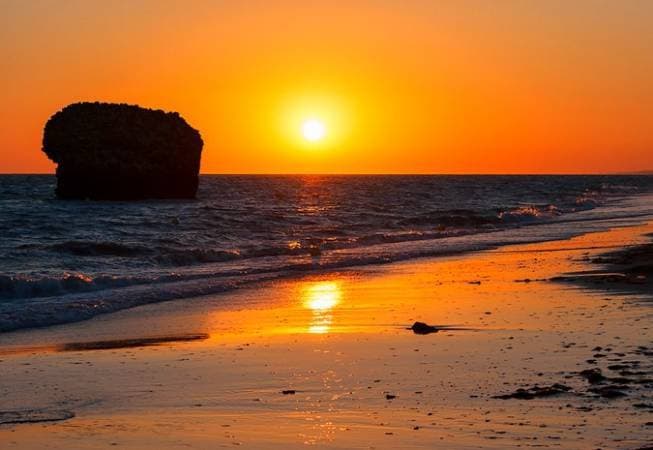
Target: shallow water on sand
63 261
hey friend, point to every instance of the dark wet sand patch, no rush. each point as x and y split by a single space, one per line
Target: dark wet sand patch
628 269
129 343
535 392
111 344
35 416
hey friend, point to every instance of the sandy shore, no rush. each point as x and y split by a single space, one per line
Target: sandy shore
327 361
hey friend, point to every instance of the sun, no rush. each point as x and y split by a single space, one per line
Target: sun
313 130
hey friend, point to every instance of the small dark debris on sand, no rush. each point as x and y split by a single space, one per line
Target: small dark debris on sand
632 377
289 392
609 391
535 392
593 375
424 328
643 406
35 416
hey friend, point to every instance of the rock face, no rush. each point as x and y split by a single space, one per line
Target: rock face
108 151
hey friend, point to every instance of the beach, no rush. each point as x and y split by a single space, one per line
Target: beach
340 225
327 360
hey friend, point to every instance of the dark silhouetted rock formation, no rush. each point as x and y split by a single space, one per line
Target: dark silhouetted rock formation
107 151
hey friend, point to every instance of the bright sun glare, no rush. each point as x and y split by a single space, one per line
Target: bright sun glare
313 130
322 296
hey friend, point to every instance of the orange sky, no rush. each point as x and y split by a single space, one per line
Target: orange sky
460 86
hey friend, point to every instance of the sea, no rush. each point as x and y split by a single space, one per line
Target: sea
64 261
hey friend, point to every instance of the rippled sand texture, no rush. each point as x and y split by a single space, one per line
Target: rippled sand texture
328 361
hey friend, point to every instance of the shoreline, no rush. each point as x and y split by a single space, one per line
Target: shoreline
84 305
325 360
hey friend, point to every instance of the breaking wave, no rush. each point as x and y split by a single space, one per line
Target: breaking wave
67 261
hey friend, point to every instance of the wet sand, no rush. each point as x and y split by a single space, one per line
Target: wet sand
626 270
327 361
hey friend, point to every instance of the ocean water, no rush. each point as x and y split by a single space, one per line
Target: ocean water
64 261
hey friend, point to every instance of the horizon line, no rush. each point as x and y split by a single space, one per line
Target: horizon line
645 172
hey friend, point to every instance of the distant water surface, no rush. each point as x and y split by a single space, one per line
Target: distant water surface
64 261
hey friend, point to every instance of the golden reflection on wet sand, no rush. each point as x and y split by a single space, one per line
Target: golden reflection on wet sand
321 298
487 291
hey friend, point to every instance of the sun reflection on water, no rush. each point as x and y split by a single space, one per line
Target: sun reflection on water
321 298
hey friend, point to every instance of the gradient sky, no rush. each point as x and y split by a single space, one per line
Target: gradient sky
460 86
